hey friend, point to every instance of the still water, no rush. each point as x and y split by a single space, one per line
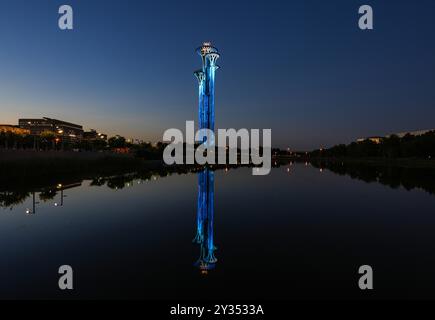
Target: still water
300 232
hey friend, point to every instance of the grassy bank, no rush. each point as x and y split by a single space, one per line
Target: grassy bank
39 163
23 166
24 169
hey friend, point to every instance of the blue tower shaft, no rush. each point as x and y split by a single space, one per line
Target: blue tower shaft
206 117
208 97
205 215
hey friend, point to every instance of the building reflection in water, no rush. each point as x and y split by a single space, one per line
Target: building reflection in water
205 214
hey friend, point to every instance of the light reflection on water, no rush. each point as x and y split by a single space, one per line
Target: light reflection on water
300 232
204 221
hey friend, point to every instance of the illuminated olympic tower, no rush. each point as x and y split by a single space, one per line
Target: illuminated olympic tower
206 78
205 210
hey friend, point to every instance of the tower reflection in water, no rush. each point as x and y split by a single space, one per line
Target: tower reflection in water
205 214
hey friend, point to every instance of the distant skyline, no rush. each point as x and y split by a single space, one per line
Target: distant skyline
301 68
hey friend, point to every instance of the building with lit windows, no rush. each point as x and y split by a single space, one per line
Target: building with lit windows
411 133
376 140
64 130
93 135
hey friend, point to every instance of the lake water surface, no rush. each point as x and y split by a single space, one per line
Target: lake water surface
299 233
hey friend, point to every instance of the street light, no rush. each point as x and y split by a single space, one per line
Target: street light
56 204
61 199
34 203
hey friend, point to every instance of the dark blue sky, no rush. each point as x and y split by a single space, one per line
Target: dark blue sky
302 68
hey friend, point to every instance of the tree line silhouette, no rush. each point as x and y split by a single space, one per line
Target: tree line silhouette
393 176
409 146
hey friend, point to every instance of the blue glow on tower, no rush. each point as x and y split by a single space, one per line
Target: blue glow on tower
205 210
206 79
205 214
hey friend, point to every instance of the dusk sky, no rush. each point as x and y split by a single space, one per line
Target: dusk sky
302 68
